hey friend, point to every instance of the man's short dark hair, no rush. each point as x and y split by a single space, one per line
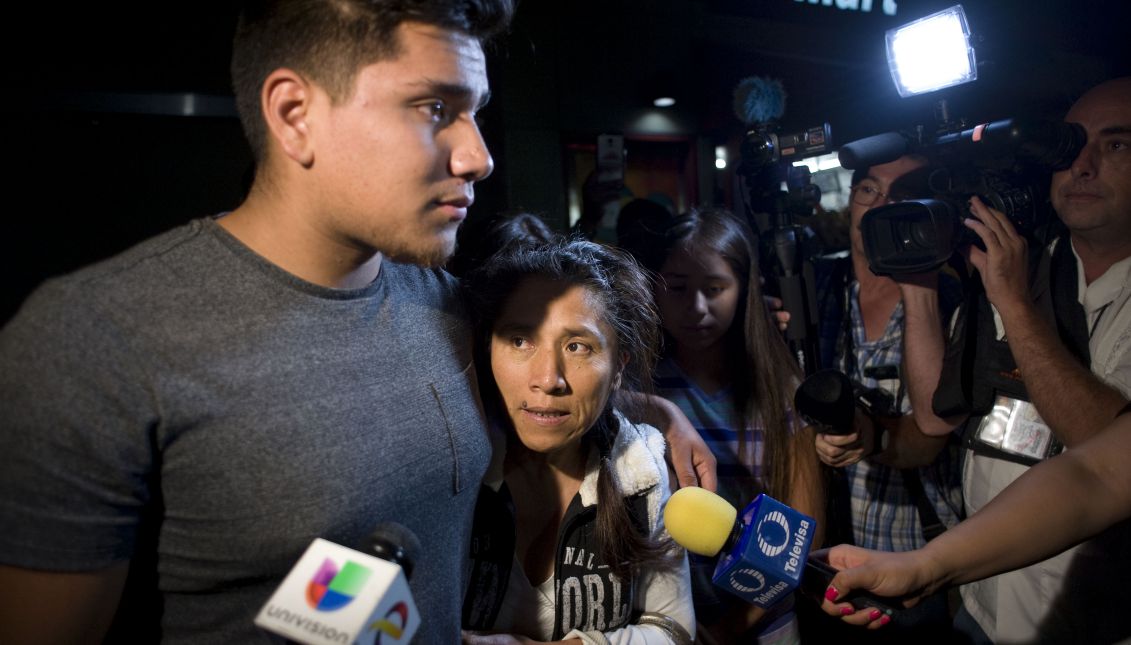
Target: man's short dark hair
330 40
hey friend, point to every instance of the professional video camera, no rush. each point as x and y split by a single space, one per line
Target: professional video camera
1005 163
767 155
766 162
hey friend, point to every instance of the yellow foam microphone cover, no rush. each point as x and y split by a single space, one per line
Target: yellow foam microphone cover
699 520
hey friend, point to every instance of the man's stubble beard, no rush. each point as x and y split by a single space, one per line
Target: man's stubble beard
426 257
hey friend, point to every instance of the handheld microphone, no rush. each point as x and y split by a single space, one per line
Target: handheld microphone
829 398
334 594
763 553
826 397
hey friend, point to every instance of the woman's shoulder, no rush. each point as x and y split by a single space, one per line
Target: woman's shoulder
638 457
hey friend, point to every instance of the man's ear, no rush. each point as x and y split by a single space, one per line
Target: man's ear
286 100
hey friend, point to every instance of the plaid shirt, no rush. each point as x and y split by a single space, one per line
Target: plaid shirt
884 515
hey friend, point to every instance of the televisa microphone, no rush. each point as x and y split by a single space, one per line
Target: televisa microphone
763 553
338 595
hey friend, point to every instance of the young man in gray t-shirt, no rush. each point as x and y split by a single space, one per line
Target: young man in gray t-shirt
191 414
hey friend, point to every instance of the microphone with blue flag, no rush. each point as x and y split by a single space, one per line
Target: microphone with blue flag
763 552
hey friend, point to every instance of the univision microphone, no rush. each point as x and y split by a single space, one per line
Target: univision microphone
338 595
763 553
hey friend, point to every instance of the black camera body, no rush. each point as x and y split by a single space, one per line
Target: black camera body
762 146
766 162
1005 163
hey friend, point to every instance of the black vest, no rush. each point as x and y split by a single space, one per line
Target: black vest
978 367
588 597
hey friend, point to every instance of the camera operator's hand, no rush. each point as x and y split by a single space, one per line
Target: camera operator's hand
840 450
1004 265
777 312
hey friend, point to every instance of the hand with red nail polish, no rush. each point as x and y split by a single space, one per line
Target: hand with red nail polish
902 577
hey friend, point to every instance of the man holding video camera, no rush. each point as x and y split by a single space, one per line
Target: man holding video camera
903 486
1050 352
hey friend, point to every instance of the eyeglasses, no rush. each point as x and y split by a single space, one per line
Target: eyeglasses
867 195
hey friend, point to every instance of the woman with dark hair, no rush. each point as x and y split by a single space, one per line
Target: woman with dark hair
477 243
726 366
569 541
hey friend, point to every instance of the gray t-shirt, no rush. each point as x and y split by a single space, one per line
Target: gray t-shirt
191 407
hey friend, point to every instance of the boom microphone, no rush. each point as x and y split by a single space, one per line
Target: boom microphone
763 553
338 595
759 100
874 150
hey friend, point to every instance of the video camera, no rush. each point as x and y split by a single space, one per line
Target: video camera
766 163
1005 163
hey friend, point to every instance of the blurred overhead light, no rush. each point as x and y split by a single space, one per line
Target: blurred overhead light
720 157
931 53
663 101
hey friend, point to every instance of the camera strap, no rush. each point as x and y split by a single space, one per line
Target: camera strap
1071 320
954 394
928 518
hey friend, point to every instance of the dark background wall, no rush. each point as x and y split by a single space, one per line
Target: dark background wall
119 125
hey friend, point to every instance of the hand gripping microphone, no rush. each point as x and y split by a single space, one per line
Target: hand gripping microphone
829 399
763 553
338 595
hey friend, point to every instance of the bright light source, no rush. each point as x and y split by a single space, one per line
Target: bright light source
811 163
720 163
828 162
820 162
664 101
931 53
720 157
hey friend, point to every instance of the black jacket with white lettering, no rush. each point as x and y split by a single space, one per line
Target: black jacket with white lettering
588 597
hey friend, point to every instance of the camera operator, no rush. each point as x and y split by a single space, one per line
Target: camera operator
1068 360
894 506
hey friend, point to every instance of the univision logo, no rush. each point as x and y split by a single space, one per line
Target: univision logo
769 541
333 588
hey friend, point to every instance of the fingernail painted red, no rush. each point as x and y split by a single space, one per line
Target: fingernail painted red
876 613
885 620
831 593
844 611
